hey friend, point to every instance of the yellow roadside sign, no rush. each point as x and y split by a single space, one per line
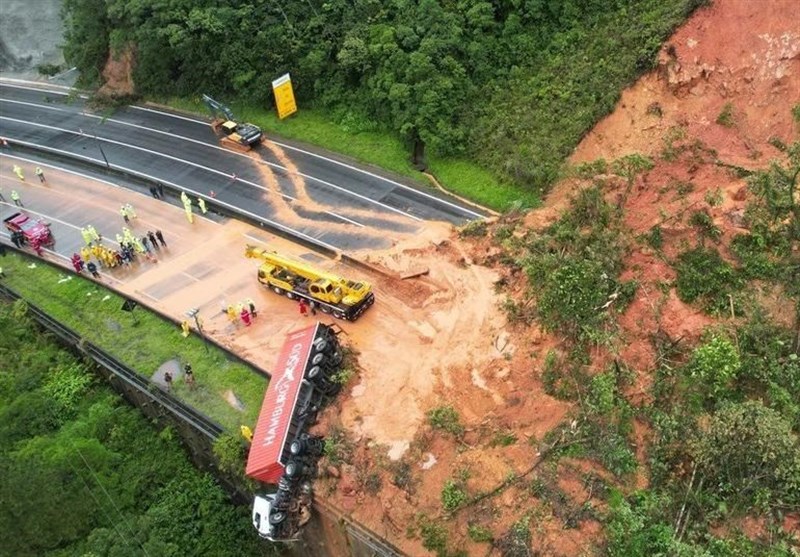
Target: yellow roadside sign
284 96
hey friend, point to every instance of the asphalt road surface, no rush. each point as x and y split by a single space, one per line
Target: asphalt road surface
314 196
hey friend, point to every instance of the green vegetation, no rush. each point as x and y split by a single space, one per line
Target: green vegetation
516 542
721 420
705 277
447 419
434 537
86 307
705 226
453 495
479 534
85 474
338 446
512 87
572 268
767 252
725 117
714 364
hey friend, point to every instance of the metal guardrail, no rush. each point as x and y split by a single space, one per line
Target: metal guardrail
378 545
182 411
145 182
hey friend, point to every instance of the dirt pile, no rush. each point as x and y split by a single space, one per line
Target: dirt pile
724 87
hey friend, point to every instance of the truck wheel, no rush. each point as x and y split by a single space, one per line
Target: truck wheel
291 295
277 518
294 469
320 345
324 309
338 314
278 290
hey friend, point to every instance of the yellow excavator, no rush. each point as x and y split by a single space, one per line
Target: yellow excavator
237 136
342 298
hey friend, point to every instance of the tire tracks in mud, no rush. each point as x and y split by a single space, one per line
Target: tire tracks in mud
289 211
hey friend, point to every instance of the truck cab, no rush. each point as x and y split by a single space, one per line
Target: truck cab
261 517
33 230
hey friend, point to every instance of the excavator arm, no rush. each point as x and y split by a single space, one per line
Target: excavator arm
218 110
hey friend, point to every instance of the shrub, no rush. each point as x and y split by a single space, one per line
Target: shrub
338 446
753 456
715 363
473 229
570 299
48 69
713 197
654 238
752 252
453 496
517 541
66 385
446 418
503 439
704 224
704 276
479 534
725 117
434 536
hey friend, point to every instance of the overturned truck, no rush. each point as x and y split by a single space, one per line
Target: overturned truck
283 454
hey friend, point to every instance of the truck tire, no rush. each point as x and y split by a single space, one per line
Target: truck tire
277 518
338 314
278 290
313 373
320 345
294 470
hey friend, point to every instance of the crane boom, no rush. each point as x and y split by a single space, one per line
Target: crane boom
345 299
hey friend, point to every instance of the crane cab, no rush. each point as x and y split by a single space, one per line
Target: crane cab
326 291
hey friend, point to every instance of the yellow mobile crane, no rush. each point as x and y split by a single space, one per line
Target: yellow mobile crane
342 298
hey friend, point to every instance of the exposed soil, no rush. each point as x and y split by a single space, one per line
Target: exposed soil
454 347
441 338
118 74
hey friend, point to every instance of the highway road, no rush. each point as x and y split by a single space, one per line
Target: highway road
314 196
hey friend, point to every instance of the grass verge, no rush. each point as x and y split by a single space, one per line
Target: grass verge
94 312
377 148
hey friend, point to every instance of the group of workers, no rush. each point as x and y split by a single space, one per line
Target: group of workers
187 206
130 246
244 311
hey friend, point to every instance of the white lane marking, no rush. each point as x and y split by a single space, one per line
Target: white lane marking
178 116
217 147
48 250
68 171
334 161
234 209
156 153
14 84
82 175
286 146
246 235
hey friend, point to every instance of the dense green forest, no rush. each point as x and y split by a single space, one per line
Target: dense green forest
511 84
82 473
